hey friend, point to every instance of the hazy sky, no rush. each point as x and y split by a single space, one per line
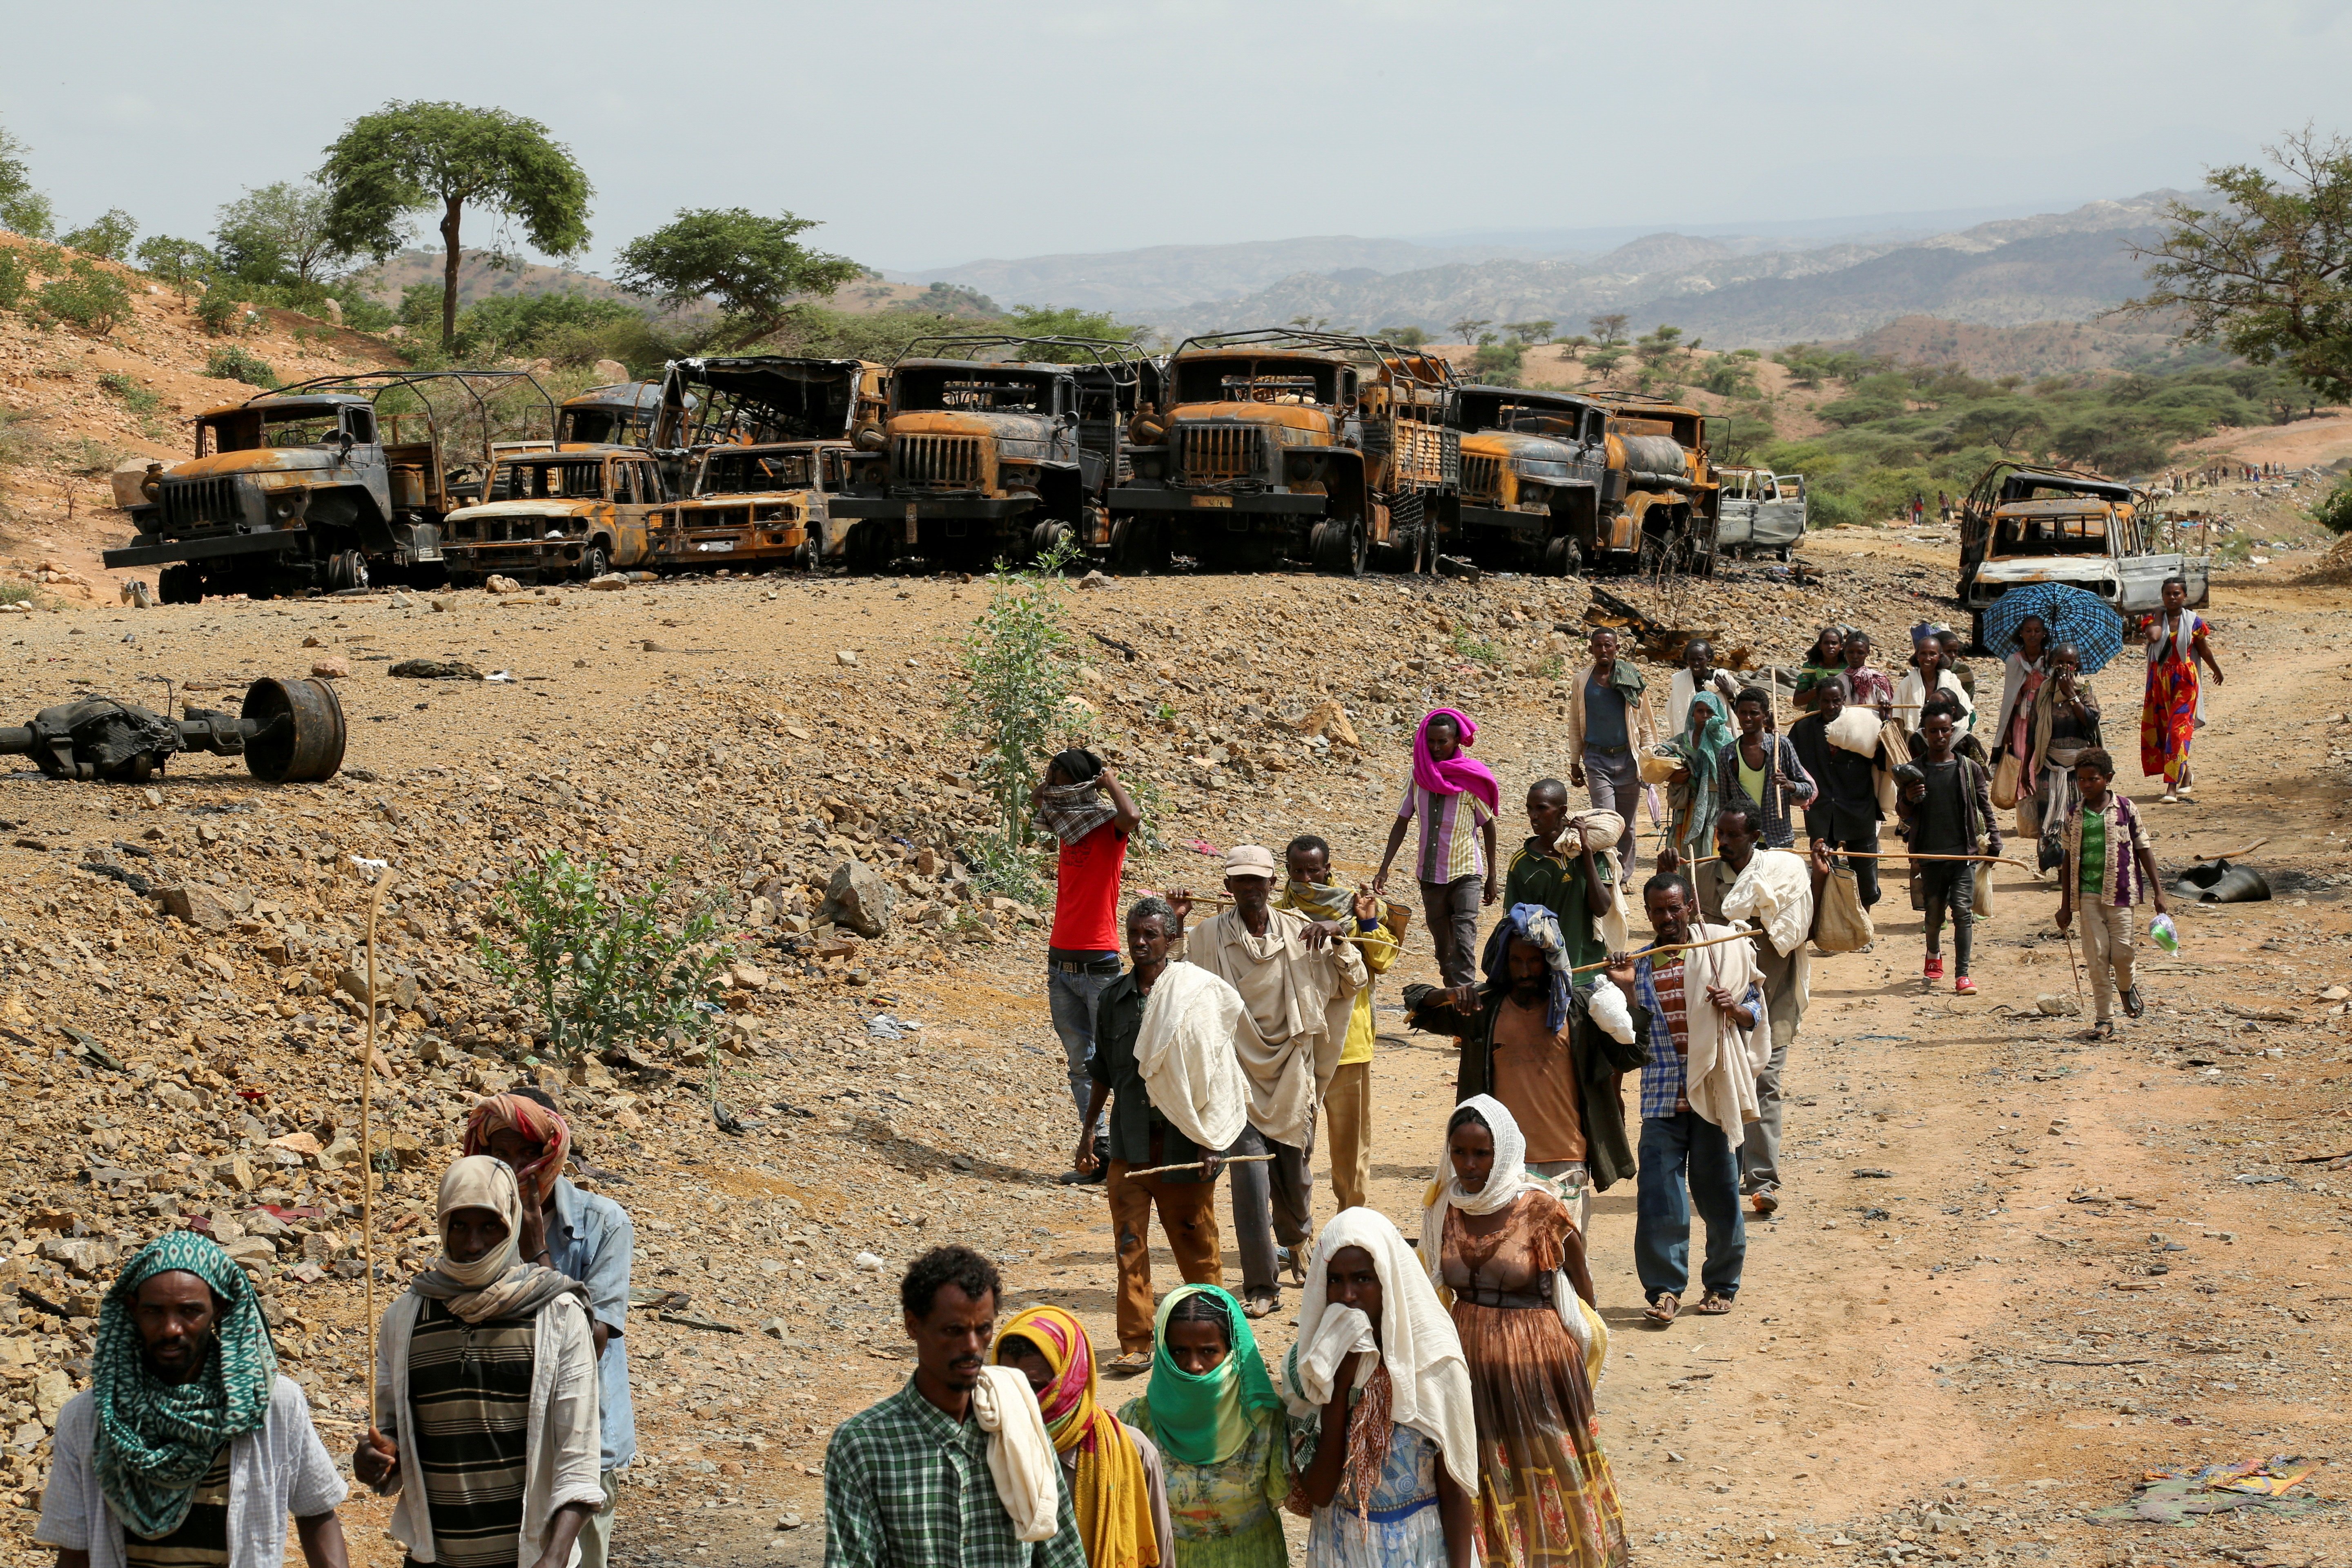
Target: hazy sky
925 133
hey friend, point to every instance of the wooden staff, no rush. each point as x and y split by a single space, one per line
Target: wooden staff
367 1156
1676 947
1195 1164
2075 968
1906 855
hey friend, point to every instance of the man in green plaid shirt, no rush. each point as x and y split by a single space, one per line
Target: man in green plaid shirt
906 1481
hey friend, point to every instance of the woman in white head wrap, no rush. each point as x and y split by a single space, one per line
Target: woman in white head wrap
1379 1400
1509 1261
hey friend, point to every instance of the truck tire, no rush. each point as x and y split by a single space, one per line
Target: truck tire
594 562
1561 558
181 584
1337 548
346 570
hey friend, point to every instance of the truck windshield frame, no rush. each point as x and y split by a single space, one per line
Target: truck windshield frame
976 389
550 479
2041 534
1245 378
754 470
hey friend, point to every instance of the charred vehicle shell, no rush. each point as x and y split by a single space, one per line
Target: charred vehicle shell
310 488
770 443
1533 467
1317 447
984 458
2023 525
578 512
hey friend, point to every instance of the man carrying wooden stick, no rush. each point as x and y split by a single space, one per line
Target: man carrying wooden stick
1189 1059
586 1236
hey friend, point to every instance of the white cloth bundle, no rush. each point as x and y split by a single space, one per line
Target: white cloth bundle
1021 1459
1720 1071
1777 889
1609 1009
1184 1049
1854 730
1343 1331
1599 829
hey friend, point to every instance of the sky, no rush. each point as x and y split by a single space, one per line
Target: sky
922 134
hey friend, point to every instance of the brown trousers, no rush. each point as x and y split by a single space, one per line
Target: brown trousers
1188 1216
1348 1113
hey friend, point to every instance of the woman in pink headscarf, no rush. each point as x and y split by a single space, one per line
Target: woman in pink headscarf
1453 796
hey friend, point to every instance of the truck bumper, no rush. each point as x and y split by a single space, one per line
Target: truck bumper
964 508
1262 503
1534 524
207 547
551 555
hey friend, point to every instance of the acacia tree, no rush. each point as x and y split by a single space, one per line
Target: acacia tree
2267 272
278 231
412 157
22 208
753 268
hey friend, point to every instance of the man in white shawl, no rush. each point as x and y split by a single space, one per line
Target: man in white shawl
1773 890
1393 1473
1701 1010
1298 987
1163 1062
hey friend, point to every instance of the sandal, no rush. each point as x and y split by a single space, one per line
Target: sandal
1127 1363
1662 1308
1261 1306
2133 1003
2105 1029
1714 1304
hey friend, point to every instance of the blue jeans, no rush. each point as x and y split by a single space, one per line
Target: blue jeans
1675 1147
1072 998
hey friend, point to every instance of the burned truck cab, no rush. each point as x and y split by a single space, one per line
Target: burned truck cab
987 459
1279 446
1533 466
576 512
1659 503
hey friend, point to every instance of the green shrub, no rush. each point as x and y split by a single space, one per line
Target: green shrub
236 365
90 458
108 237
90 297
15 593
15 274
1017 669
179 262
602 969
224 317
135 398
2334 510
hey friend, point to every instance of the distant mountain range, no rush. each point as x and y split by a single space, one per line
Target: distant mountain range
1732 289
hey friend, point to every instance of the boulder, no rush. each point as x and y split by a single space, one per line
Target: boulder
856 896
612 371
495 583
1328 720
197 905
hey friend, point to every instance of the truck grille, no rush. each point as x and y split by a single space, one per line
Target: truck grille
937 462
1211 454
199 503
1480 477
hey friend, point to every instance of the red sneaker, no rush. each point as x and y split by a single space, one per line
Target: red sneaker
1965 986
1934 970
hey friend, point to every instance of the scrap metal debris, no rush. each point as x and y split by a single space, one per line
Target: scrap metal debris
288 732
2178 1497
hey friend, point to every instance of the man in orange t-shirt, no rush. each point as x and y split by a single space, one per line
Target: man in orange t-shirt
1082 804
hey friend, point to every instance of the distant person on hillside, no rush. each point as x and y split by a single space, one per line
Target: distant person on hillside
1082 804
2174 708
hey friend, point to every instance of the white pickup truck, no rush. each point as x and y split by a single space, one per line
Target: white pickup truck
1762 513
2054 525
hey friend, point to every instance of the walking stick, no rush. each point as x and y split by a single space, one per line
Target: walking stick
1195 1164
2076 968
1677 947
367 1154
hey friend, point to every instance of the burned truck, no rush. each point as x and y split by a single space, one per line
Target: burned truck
1533 466
1277 446
575 512
315 487
988 459
2022 525
1659 503
769 442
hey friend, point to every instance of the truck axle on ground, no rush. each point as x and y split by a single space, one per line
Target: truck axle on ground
289 731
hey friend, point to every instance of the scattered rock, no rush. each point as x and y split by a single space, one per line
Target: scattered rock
495 583
338 668
435 669
856 896
847 657
197 905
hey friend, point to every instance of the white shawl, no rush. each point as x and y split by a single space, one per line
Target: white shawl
1429 1379
1506 1184
1681 692
1719 1073
1184 1049
1294 1015
1776 889
1021 1458
1911 693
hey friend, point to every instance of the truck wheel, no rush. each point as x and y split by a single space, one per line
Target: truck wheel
594 562
1045 536
346 570
1561 558
1337 548
181 584
308 745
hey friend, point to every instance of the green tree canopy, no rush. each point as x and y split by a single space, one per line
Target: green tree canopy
411 157
753 268
277 234
1608 329
108 236
22 208
2267 270
1537 331
178 262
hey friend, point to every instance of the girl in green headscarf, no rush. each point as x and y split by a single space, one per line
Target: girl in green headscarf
1694 792
1213 1410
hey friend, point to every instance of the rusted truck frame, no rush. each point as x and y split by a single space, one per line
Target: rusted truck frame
985 459
1322 448
577 512
1658 503
1534 464
769 442
2022 525
310 488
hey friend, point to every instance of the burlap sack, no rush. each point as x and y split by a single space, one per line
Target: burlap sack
1843 925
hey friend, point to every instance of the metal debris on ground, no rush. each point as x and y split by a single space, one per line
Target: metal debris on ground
2178 1496
288 732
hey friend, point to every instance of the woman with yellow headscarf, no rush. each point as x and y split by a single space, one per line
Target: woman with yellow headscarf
1114 1471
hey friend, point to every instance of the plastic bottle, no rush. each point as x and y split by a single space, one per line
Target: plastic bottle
2160 931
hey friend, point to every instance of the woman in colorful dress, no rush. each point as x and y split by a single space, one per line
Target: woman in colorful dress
1113 1472
1224 1444
1510 1264
2022 674
1380 1403
2174 709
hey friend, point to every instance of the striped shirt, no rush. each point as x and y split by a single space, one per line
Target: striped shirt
1658 988
201 1540
470 1385
1446 849
2122 837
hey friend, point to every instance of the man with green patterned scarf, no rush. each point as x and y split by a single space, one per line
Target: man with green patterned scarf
187 1450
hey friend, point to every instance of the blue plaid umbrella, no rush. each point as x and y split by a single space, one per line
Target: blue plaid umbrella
2073 614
